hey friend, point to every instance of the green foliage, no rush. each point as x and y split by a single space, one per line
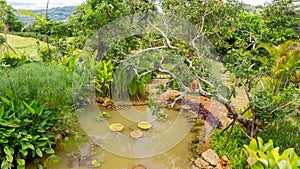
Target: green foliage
102 116
269 107
2 40
8 18
279 82
36 35
216 12
35 106
281 20
62 50
43 27
233 150
238 37
25 131
83 75
47 84
283 65
104 77
126 84
41 19
12 60
154 107
52 161
283 133
92 15
137 87
265 156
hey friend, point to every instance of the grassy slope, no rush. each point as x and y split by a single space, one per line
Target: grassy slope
22 44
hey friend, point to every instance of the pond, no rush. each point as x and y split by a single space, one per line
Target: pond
164 145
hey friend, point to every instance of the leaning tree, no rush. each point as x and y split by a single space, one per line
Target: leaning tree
154 42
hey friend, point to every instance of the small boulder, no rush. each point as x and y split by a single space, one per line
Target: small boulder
200 163
211 157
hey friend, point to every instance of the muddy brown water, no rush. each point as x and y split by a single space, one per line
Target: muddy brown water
165 145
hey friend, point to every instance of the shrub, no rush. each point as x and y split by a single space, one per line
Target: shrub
47 84
35 106
2 40
137 87
25 131
233 150
265 156
283 133
12 60
104 77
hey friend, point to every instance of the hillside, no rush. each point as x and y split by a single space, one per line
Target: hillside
22 44
56 14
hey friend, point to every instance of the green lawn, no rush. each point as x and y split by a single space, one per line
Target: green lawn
22 44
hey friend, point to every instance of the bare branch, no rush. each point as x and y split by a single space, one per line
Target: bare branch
145 73
232 113
200 33
205 81
178 98
203 21
280 107
190 63
248 87
245 133
168 72
165 36
245 110
250 67
203 92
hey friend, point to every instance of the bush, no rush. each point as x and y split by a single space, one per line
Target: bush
265 156
284 134
47 84
25 129
12 60
104 77
35 106
2 39
233 150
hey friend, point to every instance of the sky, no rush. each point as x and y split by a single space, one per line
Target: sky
255 2
41 4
